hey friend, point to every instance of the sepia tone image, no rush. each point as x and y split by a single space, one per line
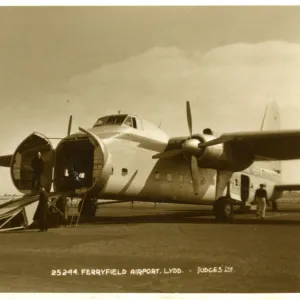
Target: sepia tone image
150 149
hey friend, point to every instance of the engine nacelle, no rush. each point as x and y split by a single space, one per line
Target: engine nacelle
20 168
232 156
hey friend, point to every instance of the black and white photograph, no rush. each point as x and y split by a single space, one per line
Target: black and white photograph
150 149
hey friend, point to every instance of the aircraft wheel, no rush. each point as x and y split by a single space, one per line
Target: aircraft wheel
223 209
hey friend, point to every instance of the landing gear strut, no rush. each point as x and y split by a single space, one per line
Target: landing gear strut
223 209
89 207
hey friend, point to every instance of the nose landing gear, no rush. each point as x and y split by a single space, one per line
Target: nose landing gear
87 207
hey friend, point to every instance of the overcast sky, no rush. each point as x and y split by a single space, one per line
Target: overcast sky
228 61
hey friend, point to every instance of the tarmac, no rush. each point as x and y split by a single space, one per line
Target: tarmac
162 249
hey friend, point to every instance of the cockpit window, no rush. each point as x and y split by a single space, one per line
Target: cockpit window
101 121
128 121
134 123
131 121
111 120
139 124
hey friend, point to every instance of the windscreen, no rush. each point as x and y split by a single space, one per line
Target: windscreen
111 120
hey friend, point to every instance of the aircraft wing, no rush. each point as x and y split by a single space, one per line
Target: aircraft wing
5 160
265 145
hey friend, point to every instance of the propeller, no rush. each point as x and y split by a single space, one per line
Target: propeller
188 146
189 117
68 133
195 175
70 125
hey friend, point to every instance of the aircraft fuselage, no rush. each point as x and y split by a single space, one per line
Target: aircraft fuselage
138 177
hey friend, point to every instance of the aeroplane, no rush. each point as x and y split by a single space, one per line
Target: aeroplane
127 158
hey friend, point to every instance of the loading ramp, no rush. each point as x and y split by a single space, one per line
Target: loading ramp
18 213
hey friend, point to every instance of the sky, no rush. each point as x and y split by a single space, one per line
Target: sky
92 61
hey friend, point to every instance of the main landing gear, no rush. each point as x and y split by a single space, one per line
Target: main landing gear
223 209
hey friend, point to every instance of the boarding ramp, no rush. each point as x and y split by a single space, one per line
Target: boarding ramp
18 213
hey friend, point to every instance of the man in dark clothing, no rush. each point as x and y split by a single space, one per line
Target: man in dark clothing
41 214
74 178
261 200
37 165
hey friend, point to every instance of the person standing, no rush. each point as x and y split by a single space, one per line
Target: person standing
261 199
37 165
41 213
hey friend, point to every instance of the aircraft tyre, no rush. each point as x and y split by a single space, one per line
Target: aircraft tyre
223 209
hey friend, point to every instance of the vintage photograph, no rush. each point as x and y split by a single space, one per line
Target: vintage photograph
150 149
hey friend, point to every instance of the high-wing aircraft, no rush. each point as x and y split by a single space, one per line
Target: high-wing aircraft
126 158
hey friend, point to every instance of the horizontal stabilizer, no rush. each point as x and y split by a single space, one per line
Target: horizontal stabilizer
280 188
287 187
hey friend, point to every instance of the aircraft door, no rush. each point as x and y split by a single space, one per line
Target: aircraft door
102 166
245 188
21 170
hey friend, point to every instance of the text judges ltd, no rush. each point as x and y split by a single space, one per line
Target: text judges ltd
114 272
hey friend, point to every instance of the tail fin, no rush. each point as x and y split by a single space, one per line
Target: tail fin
271 121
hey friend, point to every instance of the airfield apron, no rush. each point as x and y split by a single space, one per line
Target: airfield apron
261 207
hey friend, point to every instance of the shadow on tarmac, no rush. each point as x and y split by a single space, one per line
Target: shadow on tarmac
184 216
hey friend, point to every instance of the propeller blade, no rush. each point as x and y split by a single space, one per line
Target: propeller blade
70 125
195 175
168 154
189 117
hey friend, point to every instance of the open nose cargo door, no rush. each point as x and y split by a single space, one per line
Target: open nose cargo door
21 171
102 164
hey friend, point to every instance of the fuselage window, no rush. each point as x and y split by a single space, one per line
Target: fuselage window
124 172
169 177
236 182
157 175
